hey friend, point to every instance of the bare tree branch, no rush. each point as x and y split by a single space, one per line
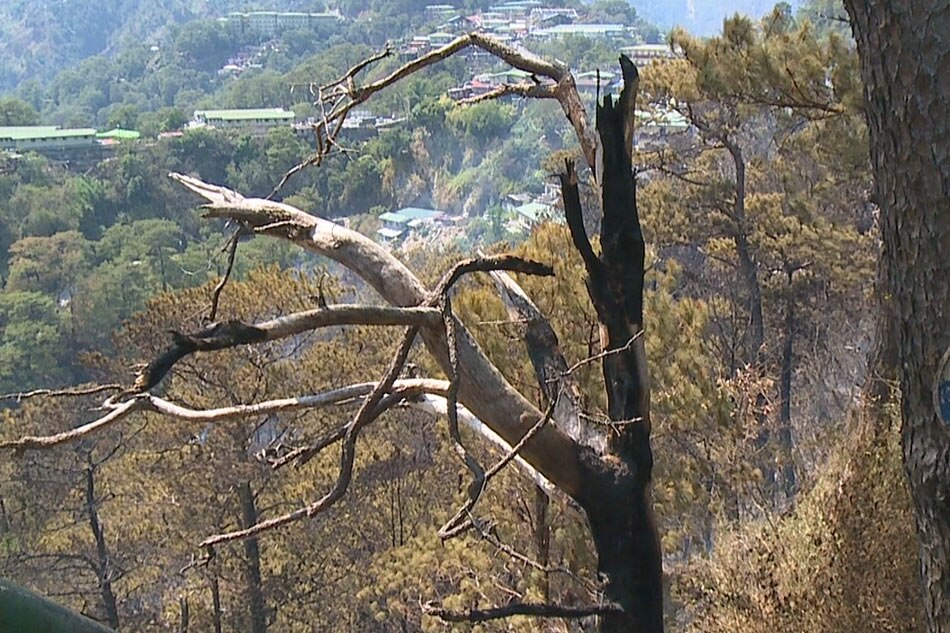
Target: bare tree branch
231 247
57 393
550 367
345 95
218 336
526 90
403 388
539 610
30 442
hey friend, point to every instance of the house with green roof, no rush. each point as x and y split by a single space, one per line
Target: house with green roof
249 118
396 224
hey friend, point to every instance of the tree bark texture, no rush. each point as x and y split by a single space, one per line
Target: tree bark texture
905 56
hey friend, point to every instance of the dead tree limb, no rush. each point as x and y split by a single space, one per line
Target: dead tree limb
537 610
483 389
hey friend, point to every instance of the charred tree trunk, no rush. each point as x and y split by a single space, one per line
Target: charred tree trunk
542 537
617 497
252 561
103 560
747 267
904 51
215 603
785 399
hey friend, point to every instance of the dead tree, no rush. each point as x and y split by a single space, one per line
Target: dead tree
605 468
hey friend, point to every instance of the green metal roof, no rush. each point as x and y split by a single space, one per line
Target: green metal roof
10 130
43 132
246 115
119 134
415 213
394 217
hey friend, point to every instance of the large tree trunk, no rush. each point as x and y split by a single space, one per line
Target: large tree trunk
905 52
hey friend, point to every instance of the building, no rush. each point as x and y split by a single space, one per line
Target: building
118 135
47 139
526 216
397 224
277 22
593 81
440 11
252 118
612 31
659 127
644 54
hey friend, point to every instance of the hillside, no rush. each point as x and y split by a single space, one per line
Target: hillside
41 37
701 17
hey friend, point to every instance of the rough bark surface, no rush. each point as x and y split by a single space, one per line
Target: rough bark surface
905 53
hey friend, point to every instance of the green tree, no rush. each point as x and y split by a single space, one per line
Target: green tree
15 111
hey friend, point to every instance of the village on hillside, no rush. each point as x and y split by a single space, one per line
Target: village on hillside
518 23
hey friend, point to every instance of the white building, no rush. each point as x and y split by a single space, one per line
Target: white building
254 118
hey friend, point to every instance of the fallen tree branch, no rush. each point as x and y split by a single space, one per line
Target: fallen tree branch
533 609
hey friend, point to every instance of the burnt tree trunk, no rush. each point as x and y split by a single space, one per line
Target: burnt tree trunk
617 497
789 481
103 559
252 561
905 52
542 538
215 603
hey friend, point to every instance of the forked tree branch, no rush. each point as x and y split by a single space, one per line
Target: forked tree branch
483 389
343 94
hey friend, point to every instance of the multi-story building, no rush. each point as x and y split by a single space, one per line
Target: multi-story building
277 22
252 118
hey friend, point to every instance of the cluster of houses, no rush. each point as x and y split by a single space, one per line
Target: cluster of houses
514 22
